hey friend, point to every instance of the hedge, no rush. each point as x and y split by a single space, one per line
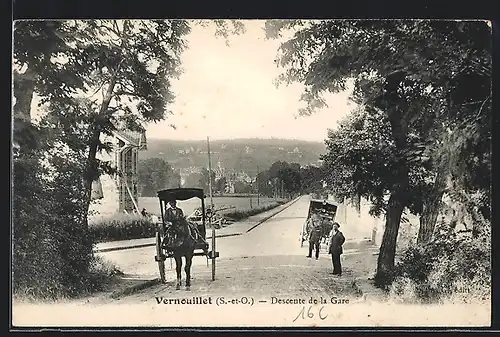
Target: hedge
52 245
132 226
122 227
243 214
449 267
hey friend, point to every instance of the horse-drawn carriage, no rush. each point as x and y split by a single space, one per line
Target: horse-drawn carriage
326 211
172 244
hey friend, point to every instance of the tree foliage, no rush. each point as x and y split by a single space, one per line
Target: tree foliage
290 179
205 180
91 77
220 185
426 81
154 175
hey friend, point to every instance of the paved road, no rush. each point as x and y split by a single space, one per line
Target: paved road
266 264
277 236
267 260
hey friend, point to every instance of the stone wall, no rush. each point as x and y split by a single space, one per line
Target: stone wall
356 225
362 225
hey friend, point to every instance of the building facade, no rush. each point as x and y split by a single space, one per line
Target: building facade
119 193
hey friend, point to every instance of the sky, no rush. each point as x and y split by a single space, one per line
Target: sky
228 92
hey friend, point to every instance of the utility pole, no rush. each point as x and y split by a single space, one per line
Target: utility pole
211 209
250 194
275 188
257 183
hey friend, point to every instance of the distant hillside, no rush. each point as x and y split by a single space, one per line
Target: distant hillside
236 154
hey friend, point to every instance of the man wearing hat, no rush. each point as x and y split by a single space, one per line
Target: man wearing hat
173 213
337 239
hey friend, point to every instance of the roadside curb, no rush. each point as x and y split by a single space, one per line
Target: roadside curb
142 245
152 244
290 203
135 288
112 249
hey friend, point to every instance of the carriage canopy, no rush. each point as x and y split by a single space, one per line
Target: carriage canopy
180 194
323 207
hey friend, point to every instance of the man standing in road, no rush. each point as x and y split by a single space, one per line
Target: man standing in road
337 239
314 229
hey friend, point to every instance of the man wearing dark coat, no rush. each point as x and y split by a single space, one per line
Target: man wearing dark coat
314 228
337 239
180 228
173 213
176 216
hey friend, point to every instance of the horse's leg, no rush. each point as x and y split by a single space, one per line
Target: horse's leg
178 269
187 269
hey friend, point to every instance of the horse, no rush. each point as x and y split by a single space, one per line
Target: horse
186 236
326 228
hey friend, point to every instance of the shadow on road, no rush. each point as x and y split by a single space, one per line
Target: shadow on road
276 275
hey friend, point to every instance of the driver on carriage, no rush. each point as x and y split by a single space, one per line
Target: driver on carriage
175 216
173 213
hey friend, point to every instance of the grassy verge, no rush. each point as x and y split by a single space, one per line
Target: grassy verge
243 214
100 275
131 226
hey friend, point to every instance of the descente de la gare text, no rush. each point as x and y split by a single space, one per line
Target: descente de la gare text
200 300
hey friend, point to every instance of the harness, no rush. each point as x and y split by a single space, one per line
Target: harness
177 233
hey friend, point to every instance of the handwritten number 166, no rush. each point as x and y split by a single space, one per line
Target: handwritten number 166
310 313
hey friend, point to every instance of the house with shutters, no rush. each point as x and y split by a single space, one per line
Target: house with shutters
118 193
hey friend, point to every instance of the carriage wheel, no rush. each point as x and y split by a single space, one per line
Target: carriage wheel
160 257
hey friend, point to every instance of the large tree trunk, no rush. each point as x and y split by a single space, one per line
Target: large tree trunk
24 133
397 112
428 218
385 263
24 88
92 171
431 207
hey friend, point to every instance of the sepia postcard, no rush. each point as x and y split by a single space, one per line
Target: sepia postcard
251 173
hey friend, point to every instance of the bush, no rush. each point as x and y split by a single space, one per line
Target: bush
52 246
100 274
449 267
122 227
